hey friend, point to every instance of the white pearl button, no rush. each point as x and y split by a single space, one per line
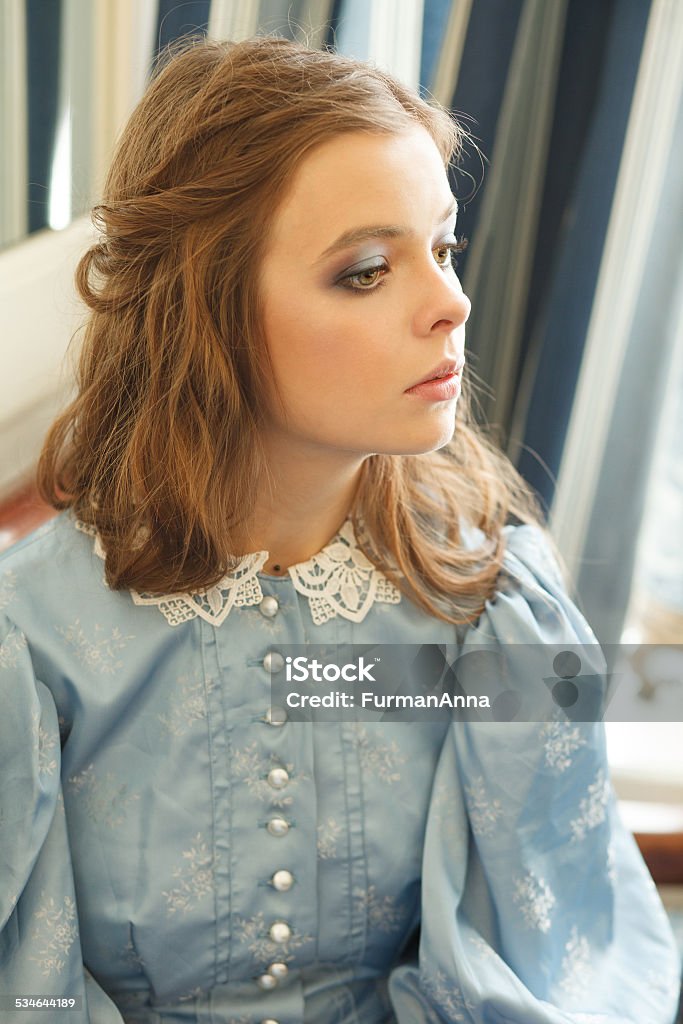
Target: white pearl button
280 931
278 970
278 827
276 715
278 778
269 606
266 981
273 662
283 880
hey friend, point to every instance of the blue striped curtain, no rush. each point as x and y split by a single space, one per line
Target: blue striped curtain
43 30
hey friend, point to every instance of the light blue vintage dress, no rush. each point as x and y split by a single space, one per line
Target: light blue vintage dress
170 852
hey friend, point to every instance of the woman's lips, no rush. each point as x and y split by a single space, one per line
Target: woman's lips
441 390
445 369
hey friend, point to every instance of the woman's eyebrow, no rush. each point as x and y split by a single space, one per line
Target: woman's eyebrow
354 235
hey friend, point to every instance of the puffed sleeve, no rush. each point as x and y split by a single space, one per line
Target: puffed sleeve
537 907
40 950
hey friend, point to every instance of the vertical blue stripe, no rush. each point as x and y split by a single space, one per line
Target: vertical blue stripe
564 324
43 34
489 43
434 23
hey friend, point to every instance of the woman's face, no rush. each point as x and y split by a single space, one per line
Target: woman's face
351 325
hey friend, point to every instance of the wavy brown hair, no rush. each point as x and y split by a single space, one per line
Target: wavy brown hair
160 450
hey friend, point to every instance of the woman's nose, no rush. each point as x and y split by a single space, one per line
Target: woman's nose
445 306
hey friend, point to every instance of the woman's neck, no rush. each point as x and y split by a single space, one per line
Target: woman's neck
300 515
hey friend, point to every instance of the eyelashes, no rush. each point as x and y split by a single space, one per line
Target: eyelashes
356 283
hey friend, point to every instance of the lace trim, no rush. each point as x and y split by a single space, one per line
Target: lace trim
339 580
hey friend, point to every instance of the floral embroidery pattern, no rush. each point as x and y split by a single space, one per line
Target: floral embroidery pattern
592 807
106 801
447 994
612 863
8 584
560 740
55 937
377 758
252 933
195 878
577 970
442 812
250 765
328 833
11 647
484 812
482 947
46 744
100 653
382 912
187 705
535 899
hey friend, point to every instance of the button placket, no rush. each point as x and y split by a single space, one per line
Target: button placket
278 778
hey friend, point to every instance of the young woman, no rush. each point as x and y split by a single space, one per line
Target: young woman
250 465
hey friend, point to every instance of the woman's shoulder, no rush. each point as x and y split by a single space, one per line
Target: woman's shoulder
53 572
59 547
534 602
528 553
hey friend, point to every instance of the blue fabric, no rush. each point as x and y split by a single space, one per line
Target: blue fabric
450 871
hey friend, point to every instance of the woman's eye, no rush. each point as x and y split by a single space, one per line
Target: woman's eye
365 280
370 279
448 248
444 255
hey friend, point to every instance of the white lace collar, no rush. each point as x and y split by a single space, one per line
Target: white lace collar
339 580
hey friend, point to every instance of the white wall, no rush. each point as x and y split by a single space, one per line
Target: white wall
39 312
